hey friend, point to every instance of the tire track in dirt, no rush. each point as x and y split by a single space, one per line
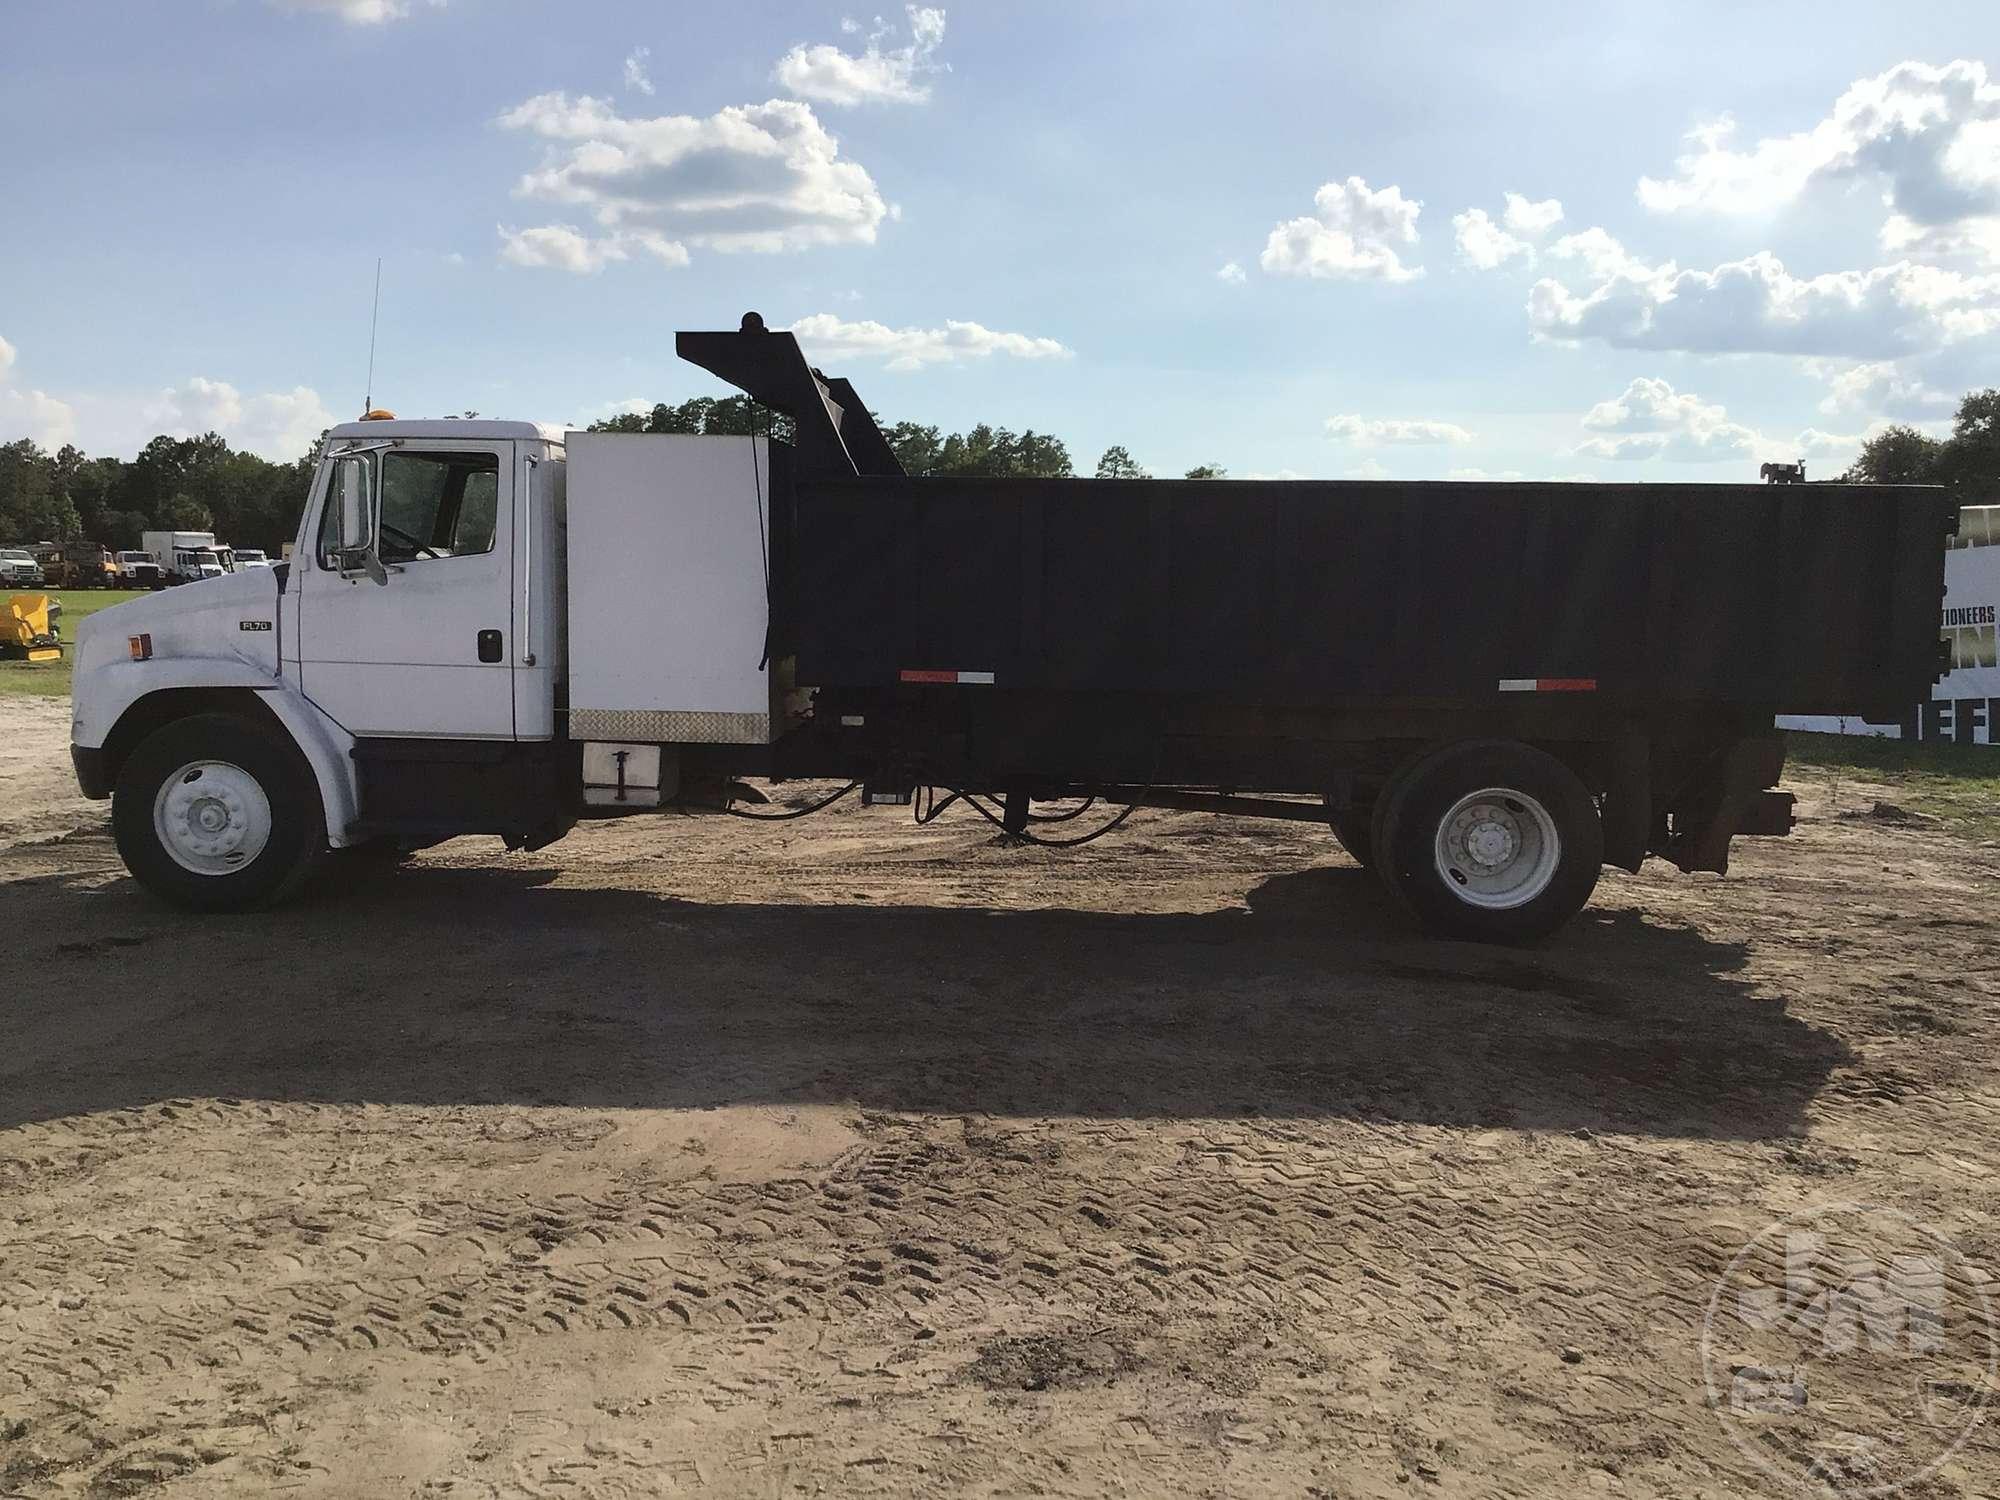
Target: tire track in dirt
1207 1184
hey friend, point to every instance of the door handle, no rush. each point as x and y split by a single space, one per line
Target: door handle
489 646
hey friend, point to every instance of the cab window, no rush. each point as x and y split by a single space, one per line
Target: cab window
438 505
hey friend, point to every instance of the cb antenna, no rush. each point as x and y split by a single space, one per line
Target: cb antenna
374 314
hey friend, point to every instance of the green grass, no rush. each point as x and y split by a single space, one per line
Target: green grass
50 679
1959 784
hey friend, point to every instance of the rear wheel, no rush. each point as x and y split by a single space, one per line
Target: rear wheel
1490 841
218 813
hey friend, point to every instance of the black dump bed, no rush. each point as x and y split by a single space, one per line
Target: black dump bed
1804 598
1792 597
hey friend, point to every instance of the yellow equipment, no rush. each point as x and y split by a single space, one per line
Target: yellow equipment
28 628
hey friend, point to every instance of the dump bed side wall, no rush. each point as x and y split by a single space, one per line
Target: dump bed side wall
1808 598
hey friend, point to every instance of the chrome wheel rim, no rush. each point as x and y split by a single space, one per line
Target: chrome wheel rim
212 817
1497 848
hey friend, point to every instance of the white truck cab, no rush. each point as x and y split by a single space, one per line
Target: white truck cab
401 673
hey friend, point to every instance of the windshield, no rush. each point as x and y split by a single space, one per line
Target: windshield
14 554
135 557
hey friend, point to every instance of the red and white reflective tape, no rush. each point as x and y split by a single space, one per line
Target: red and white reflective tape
909 674
1548 684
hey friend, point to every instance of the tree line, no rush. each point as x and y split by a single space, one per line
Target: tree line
1968 461
202 484
986 452
183 484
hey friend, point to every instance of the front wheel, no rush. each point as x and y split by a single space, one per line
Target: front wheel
1491 841
218 813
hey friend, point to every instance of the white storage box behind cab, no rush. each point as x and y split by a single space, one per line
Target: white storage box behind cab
667 592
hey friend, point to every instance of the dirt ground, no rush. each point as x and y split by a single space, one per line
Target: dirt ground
844 1156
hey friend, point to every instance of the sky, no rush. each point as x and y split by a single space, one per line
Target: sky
1616 241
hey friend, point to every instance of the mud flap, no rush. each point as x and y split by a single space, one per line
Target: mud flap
1727 799
1627 810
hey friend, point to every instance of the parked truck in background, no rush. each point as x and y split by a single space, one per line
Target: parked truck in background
133 569
1488 690
187 556
83 565
18 568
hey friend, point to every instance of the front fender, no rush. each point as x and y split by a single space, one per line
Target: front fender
104 692
111 692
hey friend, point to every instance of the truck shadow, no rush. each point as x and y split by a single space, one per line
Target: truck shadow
443 986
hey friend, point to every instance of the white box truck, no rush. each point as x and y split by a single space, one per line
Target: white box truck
186 556
1487 690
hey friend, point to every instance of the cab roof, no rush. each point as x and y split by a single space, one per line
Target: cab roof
446 427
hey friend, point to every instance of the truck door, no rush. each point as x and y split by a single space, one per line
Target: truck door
428 652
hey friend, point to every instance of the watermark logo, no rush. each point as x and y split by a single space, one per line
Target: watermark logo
1850 1350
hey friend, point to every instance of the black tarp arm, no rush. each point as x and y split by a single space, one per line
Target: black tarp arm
836 437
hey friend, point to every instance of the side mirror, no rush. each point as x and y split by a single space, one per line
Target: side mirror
357 540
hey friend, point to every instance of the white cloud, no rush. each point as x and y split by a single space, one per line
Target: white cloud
1483 244
1885 387
31 414
36 415
1813 443
828 75
1531 219
563 247
279 426
1368 468
913 348
356 12
1653 420
1929 136
1503 475
1601 255
1975 239
1357 231
1366 432
1486 245
755 177
1755 305
1231 272
636 76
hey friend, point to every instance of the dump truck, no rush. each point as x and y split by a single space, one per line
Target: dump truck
80 565
1487 691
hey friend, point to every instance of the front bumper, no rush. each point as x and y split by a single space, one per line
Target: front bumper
93 770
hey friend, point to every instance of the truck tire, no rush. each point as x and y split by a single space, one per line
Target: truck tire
1351 831
218 813
1490 841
